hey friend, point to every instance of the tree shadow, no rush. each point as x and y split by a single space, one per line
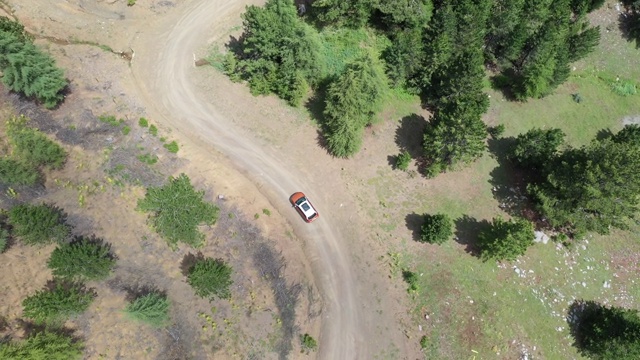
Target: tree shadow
508 182
604 134
188 261
136 291
467 231
629 24
414 224
31 328
504 82
410 134
580 311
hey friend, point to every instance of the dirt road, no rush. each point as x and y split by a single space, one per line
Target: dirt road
164 79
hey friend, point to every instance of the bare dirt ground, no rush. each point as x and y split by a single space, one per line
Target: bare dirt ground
254 151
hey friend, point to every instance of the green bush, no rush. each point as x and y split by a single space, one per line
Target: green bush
126 130
4 239
33 146
424 342
152 309
111 120
172 147
143 122
57 304
28 70
39 224
149 159
436 229
176 211
44 345
412 279
210 278
84 258
506 240
403 160
624 88
153 130
13 172
307 343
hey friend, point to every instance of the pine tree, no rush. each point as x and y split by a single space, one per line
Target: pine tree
351 13
609 333
593 188
352 103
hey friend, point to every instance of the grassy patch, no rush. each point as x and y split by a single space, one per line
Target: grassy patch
148 159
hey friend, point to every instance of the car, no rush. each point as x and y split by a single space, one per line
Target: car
300 201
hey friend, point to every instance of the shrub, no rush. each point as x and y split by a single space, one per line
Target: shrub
403 160
111 120
536 147
28 70
44 345
176 211
4 239
266 212
506 240
84 258
307 343
153 130
126 130
39 224
210 278
436 229
143 122
57 304
152 309
131 2
33 146
172 147
412 279
624 88
424 342
15 172
149 159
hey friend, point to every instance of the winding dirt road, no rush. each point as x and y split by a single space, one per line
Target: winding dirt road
163 73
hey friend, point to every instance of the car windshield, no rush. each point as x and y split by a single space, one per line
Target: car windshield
301 200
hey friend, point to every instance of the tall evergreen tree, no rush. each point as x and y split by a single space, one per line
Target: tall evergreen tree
351 13
352 102
593 188
605 333
279 52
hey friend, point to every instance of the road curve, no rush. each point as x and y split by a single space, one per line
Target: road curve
162 74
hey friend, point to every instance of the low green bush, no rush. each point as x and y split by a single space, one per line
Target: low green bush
177 210
307 343
39 224
506 240
149 159
152 309
82 259
403 160
45 345
210 278
436 229
143 122
56 305
32 146
13 172
111 120
153 130
412 279
4 239
172 147
126 130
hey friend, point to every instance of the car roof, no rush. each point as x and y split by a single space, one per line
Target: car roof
307 210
